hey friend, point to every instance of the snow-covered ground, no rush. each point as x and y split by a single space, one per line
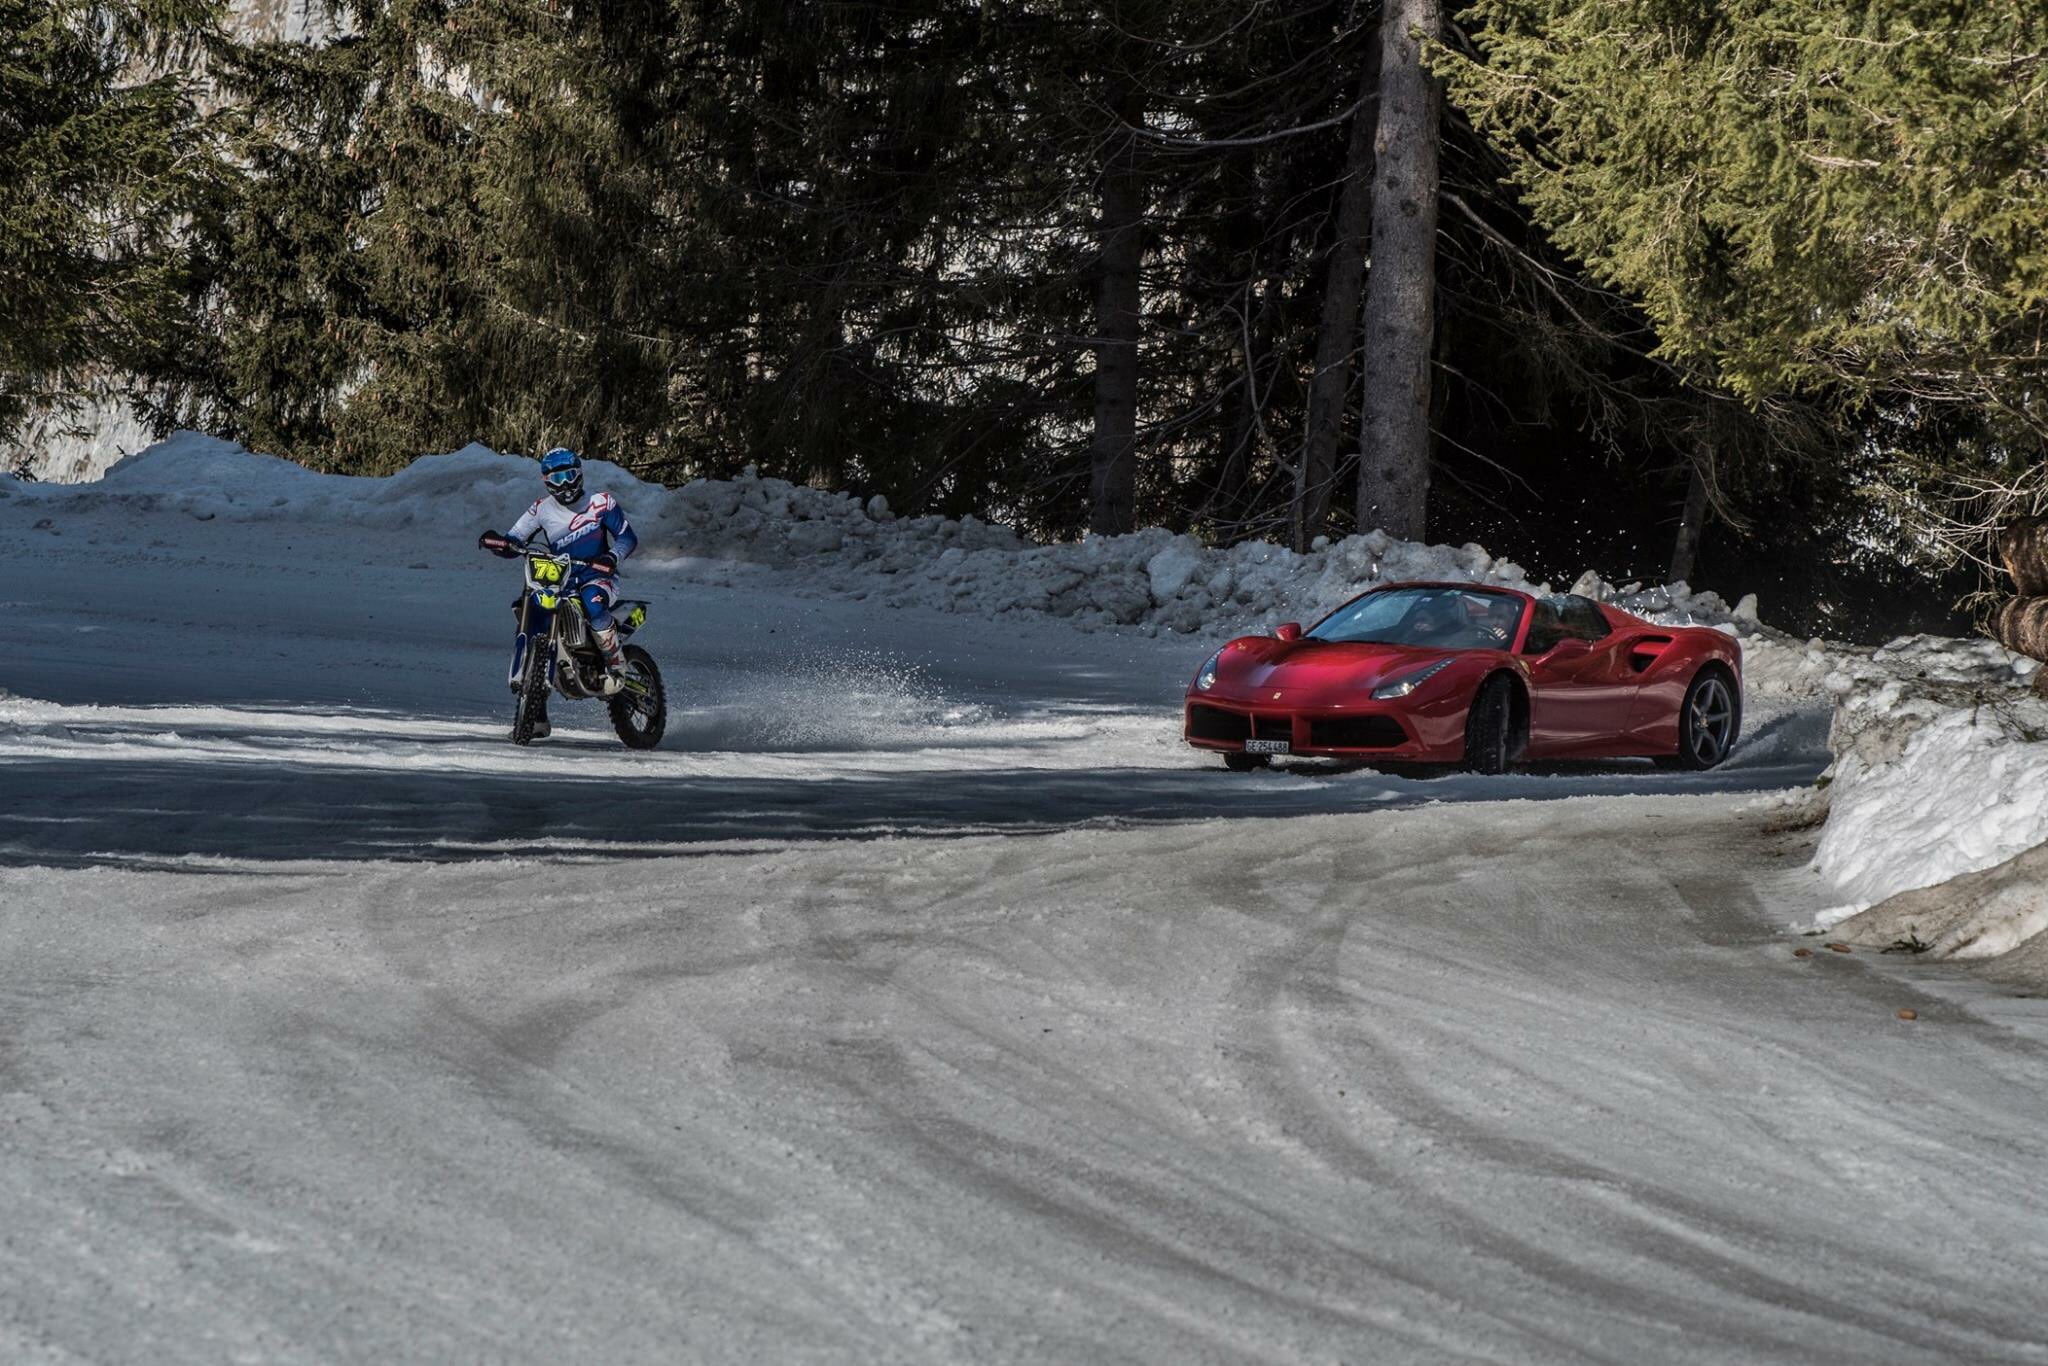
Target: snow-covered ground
922 997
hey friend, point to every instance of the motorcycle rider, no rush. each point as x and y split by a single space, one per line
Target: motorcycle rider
589 527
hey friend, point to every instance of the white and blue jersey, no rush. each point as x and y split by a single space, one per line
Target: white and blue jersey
595 525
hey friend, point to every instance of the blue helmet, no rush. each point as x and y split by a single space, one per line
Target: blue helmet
562 472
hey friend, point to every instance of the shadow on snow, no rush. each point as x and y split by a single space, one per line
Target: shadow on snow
82 809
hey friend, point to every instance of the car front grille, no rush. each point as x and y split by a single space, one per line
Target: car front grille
1273 727
1356 732
1214 723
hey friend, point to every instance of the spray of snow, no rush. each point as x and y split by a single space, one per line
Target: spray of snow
837 702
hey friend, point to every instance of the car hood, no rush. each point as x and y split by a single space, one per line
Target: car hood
1260 666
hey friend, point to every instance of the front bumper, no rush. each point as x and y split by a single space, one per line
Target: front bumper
1336 732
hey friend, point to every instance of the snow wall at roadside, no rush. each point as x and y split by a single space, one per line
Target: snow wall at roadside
1151 581
1941 767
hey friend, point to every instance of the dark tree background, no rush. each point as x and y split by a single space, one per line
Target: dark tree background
1074 266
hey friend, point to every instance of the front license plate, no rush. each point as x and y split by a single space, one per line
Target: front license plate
1267 746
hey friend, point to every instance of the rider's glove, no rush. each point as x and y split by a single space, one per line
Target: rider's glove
604 562
496 544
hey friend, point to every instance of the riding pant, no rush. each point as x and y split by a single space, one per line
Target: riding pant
596 591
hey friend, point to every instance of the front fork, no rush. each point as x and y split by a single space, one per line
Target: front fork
531 633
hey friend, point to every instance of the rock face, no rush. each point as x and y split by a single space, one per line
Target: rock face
79 447
292 21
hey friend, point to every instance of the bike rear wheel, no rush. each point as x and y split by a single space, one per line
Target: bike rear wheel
640 713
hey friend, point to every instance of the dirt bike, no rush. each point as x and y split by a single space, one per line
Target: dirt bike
563 654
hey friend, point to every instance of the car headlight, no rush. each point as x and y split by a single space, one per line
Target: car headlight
1205 677
1408 683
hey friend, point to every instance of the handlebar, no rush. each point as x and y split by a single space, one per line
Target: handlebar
506 548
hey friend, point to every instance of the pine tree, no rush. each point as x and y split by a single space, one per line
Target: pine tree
1837 199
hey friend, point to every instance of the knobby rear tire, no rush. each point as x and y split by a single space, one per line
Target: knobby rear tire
639 720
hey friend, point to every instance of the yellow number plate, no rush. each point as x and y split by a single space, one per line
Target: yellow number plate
546 571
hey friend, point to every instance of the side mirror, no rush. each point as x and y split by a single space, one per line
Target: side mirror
1287 630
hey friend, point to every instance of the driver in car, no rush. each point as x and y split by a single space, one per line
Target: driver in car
1462 621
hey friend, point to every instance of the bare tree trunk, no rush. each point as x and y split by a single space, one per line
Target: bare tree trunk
2023 545
2022 624
1337 334
1691 522
1400 295
1113 455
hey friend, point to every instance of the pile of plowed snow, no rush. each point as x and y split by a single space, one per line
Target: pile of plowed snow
1941 769
1151 581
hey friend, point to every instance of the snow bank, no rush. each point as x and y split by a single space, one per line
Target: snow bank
1152 581
1982 914
1941 769
765 521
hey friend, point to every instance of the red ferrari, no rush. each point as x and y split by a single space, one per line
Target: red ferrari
1461 673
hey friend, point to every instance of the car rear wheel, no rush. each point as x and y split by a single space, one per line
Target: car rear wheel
1245 763
1490 727
1709 722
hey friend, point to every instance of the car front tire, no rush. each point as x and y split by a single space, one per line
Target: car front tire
1490 727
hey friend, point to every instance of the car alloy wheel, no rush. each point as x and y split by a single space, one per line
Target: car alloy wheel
1712 721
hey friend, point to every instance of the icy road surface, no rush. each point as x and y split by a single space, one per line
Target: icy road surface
179 687
948 1010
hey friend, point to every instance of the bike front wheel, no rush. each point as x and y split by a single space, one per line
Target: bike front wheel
533 690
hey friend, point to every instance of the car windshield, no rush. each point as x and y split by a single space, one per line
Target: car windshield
1445 618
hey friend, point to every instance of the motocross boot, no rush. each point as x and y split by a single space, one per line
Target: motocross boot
607 638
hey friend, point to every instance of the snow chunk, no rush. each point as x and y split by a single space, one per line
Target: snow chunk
1172 567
